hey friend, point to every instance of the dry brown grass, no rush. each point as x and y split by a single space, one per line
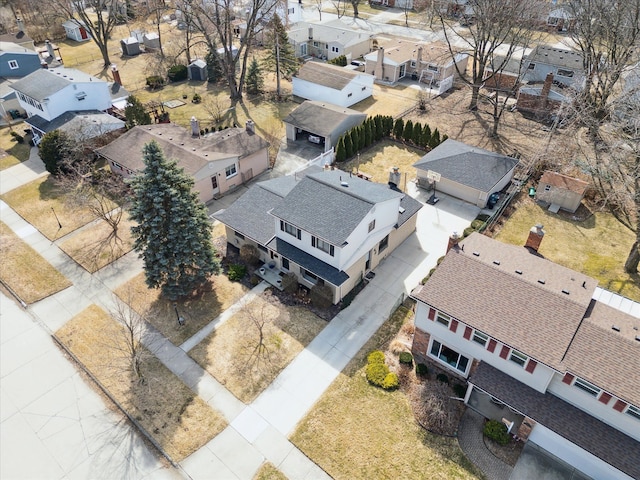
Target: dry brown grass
197 311
34 202
93 247
269 472
356 431
228 353
179 420
381 158
388 100
25 271
16 152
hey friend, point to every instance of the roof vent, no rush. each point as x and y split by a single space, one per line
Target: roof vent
476 254
541 281
565 291
344 184
615 328
496 262
519 272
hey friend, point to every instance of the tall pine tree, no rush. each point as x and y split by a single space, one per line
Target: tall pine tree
173 233
254 81
280 58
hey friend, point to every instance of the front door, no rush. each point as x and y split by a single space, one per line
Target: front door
214 184
367 264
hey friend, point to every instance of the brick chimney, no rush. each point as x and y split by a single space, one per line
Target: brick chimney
546 89
535 238
453 241
116 74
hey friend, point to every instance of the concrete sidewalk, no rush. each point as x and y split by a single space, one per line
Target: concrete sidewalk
25 172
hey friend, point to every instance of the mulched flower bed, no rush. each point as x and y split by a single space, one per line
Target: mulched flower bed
508 453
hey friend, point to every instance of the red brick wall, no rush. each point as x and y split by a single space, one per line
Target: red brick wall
420 346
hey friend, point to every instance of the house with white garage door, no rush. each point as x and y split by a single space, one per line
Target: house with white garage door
321 123
543 349
469 173
330 83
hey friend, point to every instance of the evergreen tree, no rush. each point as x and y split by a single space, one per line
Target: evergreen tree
376 128
368 137
214 67
426 136
254 81
398 128
135 113
387 125
348 145
361 136
341 153
407 133
173 233
444 137
355 139
55 149
281 57
435 139
417 134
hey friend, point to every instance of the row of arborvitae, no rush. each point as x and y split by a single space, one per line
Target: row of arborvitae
376 128
378 373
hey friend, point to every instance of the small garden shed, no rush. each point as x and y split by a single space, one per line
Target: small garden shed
151 40
130 46
75 30
561 191
198 70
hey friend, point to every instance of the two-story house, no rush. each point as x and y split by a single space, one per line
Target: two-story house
218 162
16 61
327 227
48 94
542 349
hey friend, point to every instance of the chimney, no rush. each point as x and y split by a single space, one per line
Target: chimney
20 24
116 74
195 127
310 33
50 51
546 88
251 126
535 238
453 241
379 71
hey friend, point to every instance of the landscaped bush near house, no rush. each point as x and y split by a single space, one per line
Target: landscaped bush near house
421 369
441 377
375 357
196 98
236 272
468 231
476 224
321 296
406 358
155 81
496 431
376 373
460 390
483 217
390 382
249 254
17 137
177 73
340 60
290 283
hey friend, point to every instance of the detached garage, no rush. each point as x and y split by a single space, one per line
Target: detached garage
321 123
468 173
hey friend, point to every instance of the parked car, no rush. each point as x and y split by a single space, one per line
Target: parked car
315 139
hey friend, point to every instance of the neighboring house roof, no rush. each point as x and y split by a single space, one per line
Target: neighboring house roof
537 92
565 182
486 292
117 92
73 24
15 48
330 76
192 153
331 32
400 51
320 118
511 67
556 56
561 13
45 82
475 167
320 205
87 123
591 354
20 38
580 428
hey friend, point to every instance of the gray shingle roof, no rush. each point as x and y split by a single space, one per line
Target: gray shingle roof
321 206
536 319
326 75
73 121
410 206
321 118
471 166
248 214
309 262
580 428
556 56
45 82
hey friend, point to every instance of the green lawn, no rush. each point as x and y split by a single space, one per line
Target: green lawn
356 431
597 246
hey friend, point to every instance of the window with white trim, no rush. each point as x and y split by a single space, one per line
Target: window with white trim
384 243
547 188
311 277
517 357
285 264
322 245
449 356
13 64
590 388
432 68
230 171
633 411
290 229
443 319
480 338
239 235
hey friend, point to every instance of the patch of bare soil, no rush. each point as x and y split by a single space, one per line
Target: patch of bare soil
508 453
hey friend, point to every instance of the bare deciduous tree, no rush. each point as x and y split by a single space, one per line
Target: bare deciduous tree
215 107
130 344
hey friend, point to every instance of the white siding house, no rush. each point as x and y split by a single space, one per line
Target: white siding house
333 84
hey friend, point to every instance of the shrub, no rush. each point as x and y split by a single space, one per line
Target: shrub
155 81
441 377
390 381
468 231
460 390
376 373
254 280
421 369
496 431
375 356
249 254
483 216
206 130
201 132
476 224
177 73
17 137
406 358
236 272
321 296
290 283
197 98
